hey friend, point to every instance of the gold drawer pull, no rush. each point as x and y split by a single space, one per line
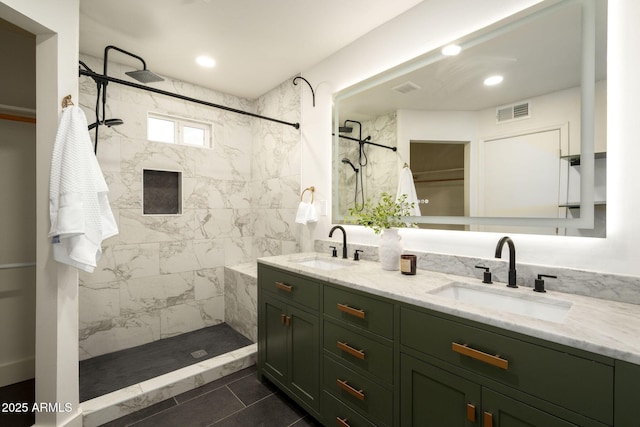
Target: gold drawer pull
352 391
342 422
359 354
283 318
487 420
350 310
480 355
282 286
471 412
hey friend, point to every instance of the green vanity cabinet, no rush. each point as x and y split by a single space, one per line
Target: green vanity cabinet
510 379
431 396
289 337
358 365
627 395
352 358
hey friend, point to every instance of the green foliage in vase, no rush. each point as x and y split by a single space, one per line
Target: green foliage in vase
387 213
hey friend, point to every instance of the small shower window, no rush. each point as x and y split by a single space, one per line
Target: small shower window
178 130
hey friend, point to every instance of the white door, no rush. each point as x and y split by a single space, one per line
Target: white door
521 178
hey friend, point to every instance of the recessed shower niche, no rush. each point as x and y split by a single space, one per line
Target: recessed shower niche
161 192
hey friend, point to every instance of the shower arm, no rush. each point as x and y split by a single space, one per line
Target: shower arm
105 64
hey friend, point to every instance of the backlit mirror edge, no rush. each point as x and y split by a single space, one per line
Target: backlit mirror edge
587 126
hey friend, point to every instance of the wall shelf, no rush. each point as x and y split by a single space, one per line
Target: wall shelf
576 205
574 160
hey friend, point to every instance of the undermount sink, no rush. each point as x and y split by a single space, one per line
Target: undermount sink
323 263
517 303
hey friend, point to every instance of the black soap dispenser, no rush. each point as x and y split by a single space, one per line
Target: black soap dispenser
539 282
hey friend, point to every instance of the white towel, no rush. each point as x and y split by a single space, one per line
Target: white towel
312 213
406 186
302 213
78 206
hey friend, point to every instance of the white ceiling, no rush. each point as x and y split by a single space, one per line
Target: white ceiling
257 44
539 57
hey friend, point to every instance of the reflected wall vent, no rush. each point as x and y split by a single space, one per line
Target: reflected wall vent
507 113
406 87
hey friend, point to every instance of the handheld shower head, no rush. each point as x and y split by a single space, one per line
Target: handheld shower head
108 123
348 162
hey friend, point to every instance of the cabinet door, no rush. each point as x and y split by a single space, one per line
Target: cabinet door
274 338
499 410
430 396
304 353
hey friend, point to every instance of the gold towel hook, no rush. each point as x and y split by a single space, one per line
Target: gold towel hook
312 189
66 101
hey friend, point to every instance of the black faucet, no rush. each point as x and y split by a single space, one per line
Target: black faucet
344 239
512 259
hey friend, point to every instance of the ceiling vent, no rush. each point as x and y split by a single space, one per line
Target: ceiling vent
406 87
507 113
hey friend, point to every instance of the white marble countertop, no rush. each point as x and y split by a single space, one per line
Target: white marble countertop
600 326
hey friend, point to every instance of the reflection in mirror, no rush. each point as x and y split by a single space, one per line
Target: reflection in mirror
502 157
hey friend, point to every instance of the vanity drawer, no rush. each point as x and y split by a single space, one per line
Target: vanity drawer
337 413
569 380
360 351
359 393
362 311
289 286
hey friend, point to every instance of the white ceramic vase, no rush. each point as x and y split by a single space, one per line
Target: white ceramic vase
390 249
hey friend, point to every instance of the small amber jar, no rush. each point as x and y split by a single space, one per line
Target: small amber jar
408 264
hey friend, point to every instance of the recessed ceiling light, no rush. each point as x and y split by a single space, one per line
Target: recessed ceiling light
205 61
493 80
451 50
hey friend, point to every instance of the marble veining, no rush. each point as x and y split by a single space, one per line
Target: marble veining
164 274
604 327
591 284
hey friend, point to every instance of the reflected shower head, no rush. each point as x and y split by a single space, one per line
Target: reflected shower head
345 129
348 162
144 76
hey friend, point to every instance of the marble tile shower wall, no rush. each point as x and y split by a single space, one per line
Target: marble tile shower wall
164 274
381 172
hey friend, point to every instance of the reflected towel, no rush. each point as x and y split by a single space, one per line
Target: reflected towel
78 206
407 186
303 212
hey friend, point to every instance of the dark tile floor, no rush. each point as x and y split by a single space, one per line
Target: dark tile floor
22 392
238 400
104 374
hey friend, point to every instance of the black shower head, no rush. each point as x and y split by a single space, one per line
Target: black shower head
144 76
345 129
348 162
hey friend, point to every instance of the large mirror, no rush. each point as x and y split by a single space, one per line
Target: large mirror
526 154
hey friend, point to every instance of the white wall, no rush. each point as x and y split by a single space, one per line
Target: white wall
56 27
432 24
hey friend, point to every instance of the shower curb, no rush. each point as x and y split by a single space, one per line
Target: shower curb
130 399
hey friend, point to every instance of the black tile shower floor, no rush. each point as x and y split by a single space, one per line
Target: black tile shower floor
237 400
104 374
